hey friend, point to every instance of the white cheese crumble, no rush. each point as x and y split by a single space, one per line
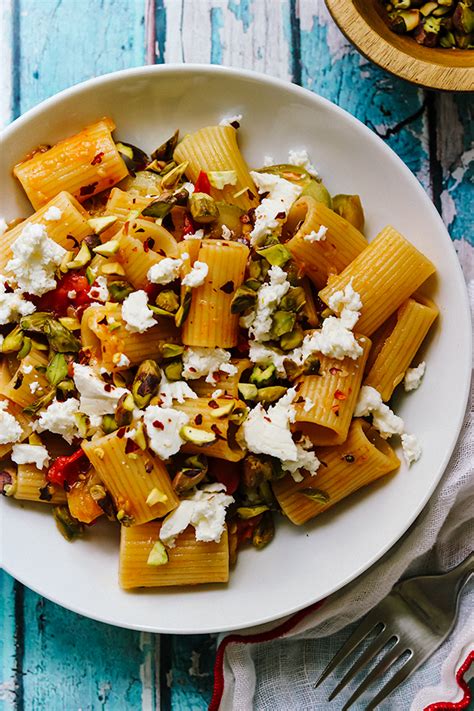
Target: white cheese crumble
300 158
59 419
189 187
199 234
3 225
53 214
205 510
26 369
136 314
34 386
10 428
226 233
220 178
165 271
414 376
96 397
199 362
72 294
268 297
121 360
411 448
384 420
12 304
308 404
34 262
163 425
306 459
217 393
333 340
347 304
30 454
197 275
318 236
177 390
263 355
268 432
100 290
229 120
273 209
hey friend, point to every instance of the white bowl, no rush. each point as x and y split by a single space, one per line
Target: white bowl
302 564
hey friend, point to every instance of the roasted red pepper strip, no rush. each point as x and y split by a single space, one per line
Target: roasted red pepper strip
67 469
202 184
188 226
227 473
246 528
58 301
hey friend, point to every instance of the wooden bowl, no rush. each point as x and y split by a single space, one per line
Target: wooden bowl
363 24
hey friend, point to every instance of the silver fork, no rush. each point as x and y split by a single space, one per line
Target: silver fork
415 618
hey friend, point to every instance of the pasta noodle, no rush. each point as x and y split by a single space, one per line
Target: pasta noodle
32 485
31 370
363 458
229 384
202 416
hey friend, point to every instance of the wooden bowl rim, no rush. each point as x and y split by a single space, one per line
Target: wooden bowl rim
417 71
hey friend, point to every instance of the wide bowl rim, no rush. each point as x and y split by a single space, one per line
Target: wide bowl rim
382 53
190 69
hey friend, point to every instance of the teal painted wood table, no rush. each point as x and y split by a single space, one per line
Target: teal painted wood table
55 660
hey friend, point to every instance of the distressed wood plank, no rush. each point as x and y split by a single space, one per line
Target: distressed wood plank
66 41
187 671
7 76
9 686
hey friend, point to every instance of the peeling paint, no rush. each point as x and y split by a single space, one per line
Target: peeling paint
194 669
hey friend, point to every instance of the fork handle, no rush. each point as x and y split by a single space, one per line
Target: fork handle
461 573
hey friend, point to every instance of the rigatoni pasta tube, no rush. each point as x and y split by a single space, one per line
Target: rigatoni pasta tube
325 402
141 245
338 247
103 344
204 415
229 384
363 458
83 164
71 228
190 562
30 371
31 485
215 149
130 478
210 322
385 274
120 204
413 321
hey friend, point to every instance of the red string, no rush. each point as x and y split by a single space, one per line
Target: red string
462 683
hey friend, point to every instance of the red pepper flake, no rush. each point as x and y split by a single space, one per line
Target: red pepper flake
108 388
149 467
88 189
267 419
217 431
97 158
213 404
198 419
148 244
74 241
188 225
335 409
131 446
280 215
339 395
142 229
203 184
159 425
334 370
192 369
300 400
245 219
228 287
121 432
18 381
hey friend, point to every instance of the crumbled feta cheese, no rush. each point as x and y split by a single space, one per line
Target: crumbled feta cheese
268 432
333 340
318 236
34 386
197 275
268 297
163 425
347 304
268 161
136 314
30 454
229 120
96 397
165 271
300 158
411 448
263 355
59 419
189 187
12 304
100 290
121 360
3 225
226 233
220 178
306 459
384 420
308 404
199 234
217 393
200 362
414 376
177 390
205 510
10 428
27 369
53 214
72 294
34 262
273 209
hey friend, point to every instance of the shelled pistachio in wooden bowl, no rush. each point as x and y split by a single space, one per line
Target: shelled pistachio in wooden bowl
366 23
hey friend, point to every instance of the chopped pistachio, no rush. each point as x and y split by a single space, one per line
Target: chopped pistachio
292 340
68 526
350 208
166 150
160 207
146 383
60 338
463 18
271 393
66 387
282 322
158 555
261 377
108 249
243 299
224 410
82 424
172 178
124 410
139 436
13 342
82 258
195 436
187 479
25 348
264 531
173 370
57 369
113 269
256 470
294 299
171 350
100 224
119 290
316 189
182 313
63 267
71 323
316 495
168 301
109 424
220 178
156 496
203 208
277 254
133 157
249 391
91 275
247 512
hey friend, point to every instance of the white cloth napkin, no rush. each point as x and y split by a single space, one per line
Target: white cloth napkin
280 674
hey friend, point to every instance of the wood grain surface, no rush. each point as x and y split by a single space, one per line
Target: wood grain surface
54 660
